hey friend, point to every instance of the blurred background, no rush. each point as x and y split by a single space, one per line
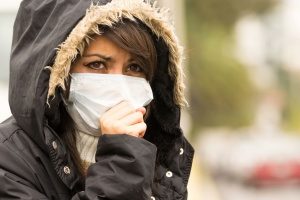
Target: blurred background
243 84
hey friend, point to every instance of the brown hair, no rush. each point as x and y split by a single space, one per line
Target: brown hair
132 37
135 39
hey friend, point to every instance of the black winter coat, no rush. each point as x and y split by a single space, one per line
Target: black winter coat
34 161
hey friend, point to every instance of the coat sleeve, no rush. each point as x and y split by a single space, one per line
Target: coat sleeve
124 169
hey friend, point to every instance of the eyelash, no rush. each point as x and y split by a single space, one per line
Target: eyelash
99 63
95 62
140 69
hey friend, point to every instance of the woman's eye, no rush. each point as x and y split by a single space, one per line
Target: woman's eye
96 65
135 68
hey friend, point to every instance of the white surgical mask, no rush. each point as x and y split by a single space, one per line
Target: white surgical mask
92 94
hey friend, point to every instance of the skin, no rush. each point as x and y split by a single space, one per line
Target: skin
105 57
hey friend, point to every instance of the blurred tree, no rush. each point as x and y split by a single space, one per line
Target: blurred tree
290 84
226 12
221 93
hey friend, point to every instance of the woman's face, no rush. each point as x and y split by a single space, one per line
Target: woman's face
105 57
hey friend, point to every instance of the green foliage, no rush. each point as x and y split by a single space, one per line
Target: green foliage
291 115
291 110
221 93
226 12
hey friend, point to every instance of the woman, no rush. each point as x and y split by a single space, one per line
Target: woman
95 93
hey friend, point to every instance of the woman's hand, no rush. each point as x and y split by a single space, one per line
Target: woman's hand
124 119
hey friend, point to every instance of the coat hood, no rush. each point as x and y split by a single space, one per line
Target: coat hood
49 34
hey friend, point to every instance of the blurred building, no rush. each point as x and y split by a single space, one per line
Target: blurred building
267 42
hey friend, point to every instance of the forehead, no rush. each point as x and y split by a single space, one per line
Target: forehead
104 45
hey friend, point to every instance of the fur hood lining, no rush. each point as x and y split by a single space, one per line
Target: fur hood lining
156 19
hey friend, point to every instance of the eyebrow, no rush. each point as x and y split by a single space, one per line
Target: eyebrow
141 64
107 58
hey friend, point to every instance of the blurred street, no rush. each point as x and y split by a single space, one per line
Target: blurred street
229 166
201 186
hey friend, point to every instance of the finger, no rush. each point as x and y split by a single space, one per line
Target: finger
128 109
118 106
141 135
123 112
120 110
137 129
142 110
133 118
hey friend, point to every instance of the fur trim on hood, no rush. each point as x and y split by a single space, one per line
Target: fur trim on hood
154 18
